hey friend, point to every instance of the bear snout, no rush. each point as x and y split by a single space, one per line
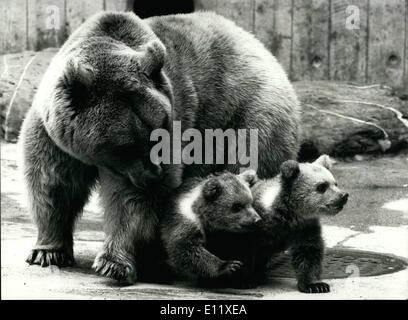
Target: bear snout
340 201
255 217
344 198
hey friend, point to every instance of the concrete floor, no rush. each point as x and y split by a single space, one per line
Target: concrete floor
375 219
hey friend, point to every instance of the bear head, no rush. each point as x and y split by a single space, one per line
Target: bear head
110 96
309 189
226 203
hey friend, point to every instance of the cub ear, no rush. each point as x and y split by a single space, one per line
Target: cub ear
324 161
212 189
249 176
290 170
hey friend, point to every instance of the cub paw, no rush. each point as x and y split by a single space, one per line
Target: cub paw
46 258
318 287
230 267
112 268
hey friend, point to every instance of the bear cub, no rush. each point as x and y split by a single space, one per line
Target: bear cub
199 208
290 205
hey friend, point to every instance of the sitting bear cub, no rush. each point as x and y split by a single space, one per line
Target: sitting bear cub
200 207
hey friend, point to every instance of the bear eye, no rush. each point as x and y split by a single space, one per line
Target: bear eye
322 187
236 207
335 183
154 74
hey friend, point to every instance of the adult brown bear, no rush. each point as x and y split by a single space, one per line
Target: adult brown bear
115 80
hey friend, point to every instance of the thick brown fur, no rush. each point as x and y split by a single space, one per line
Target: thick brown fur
290 205
115 80
199 209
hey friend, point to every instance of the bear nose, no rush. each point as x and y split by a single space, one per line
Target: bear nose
344 197
257 218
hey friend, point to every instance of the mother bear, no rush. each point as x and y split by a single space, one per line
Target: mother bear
115 80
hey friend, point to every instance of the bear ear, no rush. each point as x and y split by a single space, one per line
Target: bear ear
324 161
76 79
249 176
290 170
78 71
212 189
150 57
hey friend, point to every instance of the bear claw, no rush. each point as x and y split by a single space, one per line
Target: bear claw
122 272
230 267
46 258
318 287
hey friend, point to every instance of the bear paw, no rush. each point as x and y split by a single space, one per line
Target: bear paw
318 287
230 267
46 258
112 268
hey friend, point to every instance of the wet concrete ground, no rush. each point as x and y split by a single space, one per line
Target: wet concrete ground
375 219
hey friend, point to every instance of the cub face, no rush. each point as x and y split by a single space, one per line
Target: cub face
226 203
313 189
109 97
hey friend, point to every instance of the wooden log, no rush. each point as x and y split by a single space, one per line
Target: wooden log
341 119
21 75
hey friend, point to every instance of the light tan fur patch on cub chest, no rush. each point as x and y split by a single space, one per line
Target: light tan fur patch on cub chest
186 205
270 193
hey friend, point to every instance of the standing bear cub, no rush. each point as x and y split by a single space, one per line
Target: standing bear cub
290 205
201 207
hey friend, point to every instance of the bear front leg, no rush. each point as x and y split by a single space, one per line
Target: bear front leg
58 187
130 222
307 256
184 244
199 261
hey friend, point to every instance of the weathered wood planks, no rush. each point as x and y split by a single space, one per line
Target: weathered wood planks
205 5
46 23
310 54
118 5
13 26
386 42
77 11
241 11
273 26
348 40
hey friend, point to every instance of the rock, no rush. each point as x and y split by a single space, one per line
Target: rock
344 120
21 74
